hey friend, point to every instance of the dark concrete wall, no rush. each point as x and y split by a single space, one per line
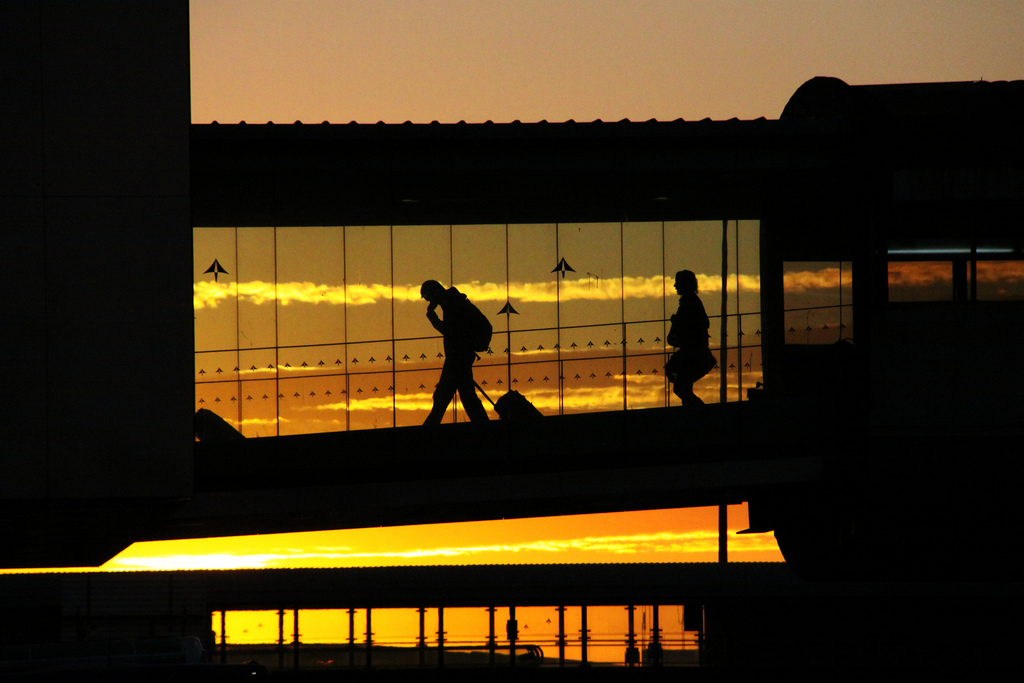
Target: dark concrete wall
95 242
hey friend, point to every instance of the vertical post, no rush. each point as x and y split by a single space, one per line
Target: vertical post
512 630
701 639
632 653
369 638
739 317
584 635
351 637
440 637
295 643
656 649
723 533
561 635
723 361
223 636
280 638
422 645
492 643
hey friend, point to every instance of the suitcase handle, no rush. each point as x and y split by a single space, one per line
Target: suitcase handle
484 393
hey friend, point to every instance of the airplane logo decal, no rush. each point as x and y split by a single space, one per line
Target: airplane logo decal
563 268
216 268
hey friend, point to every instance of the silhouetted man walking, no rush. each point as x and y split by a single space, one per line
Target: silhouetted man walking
466 330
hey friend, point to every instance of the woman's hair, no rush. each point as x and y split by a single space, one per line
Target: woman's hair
687 280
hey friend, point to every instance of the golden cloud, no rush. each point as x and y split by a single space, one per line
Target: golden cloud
992 272
919 273
809 280
211 294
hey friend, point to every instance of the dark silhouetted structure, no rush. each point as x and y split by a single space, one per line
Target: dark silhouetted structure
888 465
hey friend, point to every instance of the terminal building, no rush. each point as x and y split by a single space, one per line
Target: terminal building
860 258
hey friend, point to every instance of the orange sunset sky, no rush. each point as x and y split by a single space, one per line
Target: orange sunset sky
555 60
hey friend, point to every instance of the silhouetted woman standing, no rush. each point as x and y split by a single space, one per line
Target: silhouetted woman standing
689 334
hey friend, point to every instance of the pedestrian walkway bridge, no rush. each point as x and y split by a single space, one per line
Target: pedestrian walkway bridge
572 464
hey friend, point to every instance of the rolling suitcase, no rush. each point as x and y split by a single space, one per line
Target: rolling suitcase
513 406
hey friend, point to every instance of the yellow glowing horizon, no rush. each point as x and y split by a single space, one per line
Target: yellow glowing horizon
210 294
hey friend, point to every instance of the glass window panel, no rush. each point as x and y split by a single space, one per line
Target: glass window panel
644 286
1000 280
418 354
259 364
593 338
846 291
221 398
414 391
309 405
592 385
248 627
397 627
744 297
750 326
817 301
590 341
319 626
422 252
310 285
479 268
645 381
920 281
533 346
216 366
371 404
368 283
341 321
215 293
608 625
750 359
593 294
256 278
258 406
643 338
532 255
747 235
306 361
696 246
370 357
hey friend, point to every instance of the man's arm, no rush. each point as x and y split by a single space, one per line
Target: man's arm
434 319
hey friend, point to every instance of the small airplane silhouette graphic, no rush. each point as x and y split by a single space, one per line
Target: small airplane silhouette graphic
507 309
216 269
563 267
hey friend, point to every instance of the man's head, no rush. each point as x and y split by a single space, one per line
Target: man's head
432 291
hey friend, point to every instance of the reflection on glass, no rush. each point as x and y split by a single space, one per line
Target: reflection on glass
310 285
409 637
818 301
305 330
368 286
920 281
1000 280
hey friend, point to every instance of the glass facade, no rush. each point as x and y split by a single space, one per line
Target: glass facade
818 301
320 329
955 270
459 636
